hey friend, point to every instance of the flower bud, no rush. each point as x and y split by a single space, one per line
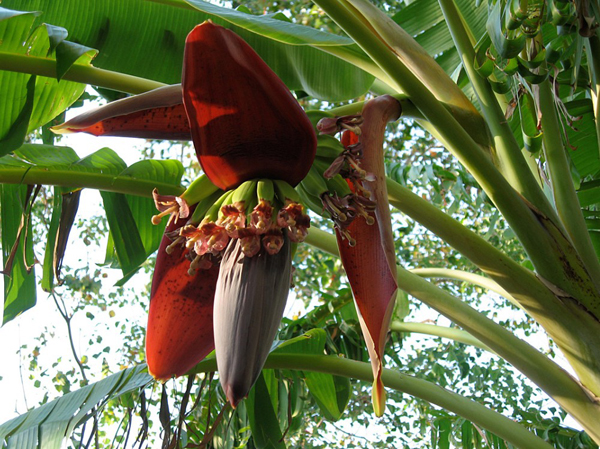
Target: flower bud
249 304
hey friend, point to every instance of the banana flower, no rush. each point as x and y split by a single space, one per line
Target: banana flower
223 272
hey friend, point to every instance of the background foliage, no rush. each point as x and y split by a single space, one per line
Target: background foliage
125 408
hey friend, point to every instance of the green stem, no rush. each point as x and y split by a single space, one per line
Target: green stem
556 382
408 108
517 280
465 276
563 189
511 160
85 74
70 178
478 414
538 241
439 331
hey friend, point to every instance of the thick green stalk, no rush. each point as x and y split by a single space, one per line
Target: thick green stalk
409 110
439 331
70 178
563 189
471 410
556 382
85 74
517 280
423 66
472 278
538 240
511 161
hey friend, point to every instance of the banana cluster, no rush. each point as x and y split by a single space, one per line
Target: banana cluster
257 213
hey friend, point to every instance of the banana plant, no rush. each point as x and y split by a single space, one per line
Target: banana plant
506 102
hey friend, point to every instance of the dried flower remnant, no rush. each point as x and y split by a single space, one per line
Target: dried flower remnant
333 125
174 206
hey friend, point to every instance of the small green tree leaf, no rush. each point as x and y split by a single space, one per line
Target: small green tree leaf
263 419
331 393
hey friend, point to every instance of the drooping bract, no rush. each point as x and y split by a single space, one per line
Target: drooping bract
180 329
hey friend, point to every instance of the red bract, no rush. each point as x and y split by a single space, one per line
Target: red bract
245 122
180 321
158 114
370 261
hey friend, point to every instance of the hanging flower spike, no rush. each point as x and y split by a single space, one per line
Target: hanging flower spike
245 122
180 321
370 263
246 125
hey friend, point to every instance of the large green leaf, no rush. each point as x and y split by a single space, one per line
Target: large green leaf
19 285
27 101
49 425
424 20
134 238
582 139
280 30
154 35
15 89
